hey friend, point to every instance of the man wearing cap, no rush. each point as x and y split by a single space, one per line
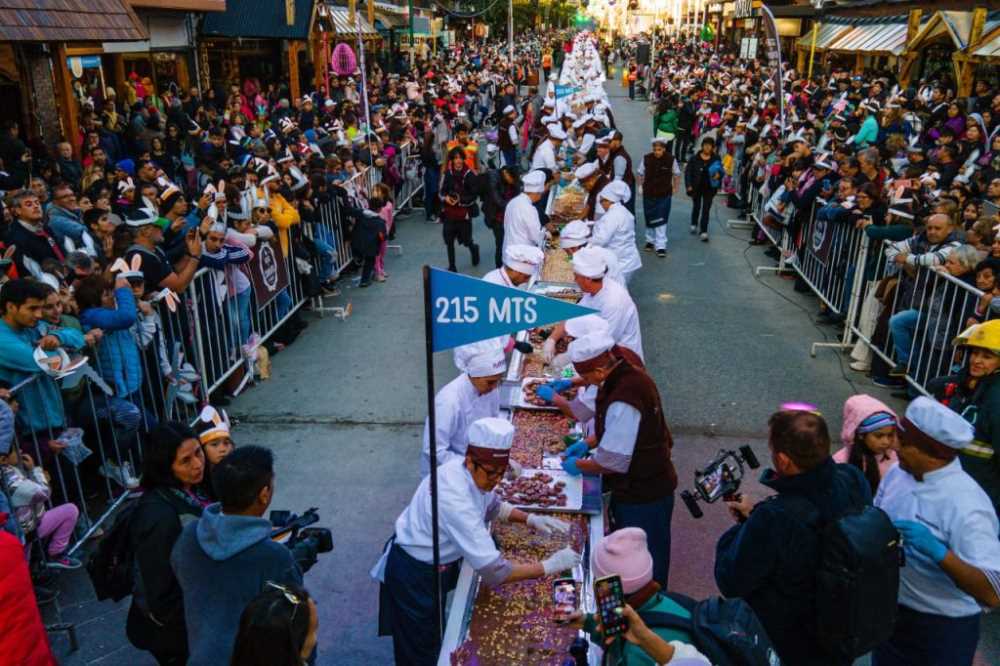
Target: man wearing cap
949 531
576 235
507 136
659 175
615 229
157 271
608 297
471 395
974 393
631 447
466 504
621 167
592 179
521 225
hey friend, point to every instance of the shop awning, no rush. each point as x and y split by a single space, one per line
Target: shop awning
881 38
827 34
69 21
989 47
389 20
260 19
344 27
390 8
955 25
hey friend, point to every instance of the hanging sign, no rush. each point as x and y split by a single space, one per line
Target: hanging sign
466 309
566 91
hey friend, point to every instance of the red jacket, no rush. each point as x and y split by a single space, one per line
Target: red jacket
23 641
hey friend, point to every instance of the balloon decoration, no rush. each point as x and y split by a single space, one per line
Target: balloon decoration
343 61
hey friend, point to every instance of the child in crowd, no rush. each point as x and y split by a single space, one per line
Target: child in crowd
27 485
382 203
869 435
213 431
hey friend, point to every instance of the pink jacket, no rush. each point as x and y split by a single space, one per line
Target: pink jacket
857 409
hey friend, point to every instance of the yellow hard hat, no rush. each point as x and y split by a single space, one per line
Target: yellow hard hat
984 336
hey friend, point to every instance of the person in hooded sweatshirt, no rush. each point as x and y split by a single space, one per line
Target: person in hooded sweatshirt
223 559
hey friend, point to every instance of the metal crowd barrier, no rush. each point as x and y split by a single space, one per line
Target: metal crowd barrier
185 354
845 270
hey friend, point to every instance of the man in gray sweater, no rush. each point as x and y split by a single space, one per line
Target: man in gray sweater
223 559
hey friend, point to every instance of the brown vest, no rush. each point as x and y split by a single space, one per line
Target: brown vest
651 474
658 180
602 180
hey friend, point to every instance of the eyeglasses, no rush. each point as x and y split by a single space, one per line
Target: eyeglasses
292 598
492 472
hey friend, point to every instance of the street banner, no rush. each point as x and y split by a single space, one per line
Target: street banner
466 309
565 91
772 46
268 272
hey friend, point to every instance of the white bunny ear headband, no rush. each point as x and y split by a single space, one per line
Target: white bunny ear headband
167 296
219 428
128 271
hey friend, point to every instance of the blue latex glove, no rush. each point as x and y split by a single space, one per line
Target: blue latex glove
569 466
578 450
560 385
545 392
917 537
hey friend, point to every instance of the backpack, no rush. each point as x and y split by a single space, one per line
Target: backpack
857 582
726 631
110 567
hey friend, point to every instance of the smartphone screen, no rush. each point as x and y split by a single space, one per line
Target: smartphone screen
610 600
564 598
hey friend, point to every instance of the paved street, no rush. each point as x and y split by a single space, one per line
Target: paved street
345 406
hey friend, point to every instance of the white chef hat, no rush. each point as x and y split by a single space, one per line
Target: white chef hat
509 109
586 170
581 121
616 192
491 433
534 182
579 327
548 120
484 361
590 347
590 263
659 139
556 132
523 258
574 234
928 419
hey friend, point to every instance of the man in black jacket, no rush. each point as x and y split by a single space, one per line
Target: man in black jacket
770 558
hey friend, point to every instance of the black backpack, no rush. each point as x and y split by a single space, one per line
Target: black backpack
726 631
857 583
110 567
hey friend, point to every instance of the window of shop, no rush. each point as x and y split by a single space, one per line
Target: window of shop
936 62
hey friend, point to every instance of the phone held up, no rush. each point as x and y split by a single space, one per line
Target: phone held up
610 599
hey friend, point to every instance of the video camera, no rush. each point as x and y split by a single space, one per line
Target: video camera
719 479
305 542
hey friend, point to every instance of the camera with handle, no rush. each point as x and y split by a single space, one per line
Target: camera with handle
719 479
305 542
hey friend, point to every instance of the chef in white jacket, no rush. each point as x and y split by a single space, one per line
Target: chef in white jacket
521 263
576 235
466 504
471 395
521 225
615 229
545 154
608 297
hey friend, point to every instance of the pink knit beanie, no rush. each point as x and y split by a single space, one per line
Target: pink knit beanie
624 553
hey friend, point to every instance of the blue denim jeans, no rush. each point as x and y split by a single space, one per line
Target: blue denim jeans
903 324
326 247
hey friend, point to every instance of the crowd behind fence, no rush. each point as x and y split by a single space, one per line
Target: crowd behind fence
88 436
850 274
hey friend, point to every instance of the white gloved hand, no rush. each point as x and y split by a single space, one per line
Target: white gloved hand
503 513
560 361
549 350
514 469
547 524
561 560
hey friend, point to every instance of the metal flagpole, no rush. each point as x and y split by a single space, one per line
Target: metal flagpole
432 430
510 31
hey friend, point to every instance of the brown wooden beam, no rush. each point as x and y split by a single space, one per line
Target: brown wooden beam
68 106
293 68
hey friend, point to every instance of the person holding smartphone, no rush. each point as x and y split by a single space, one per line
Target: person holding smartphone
622 560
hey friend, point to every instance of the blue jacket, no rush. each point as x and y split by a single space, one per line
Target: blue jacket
754 560
222 562
41 402
118 359
65 223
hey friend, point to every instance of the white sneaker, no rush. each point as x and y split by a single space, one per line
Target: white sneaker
861 366
113 472
128 476
694 229
704 237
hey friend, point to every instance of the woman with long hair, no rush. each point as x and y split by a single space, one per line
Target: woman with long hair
277 628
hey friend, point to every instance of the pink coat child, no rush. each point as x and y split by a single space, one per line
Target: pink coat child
858 410
386 213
